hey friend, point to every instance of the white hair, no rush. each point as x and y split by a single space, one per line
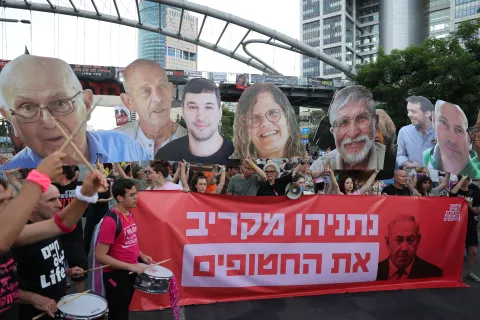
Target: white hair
274 166
438 110
352 93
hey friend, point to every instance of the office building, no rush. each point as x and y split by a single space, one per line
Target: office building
352 30
169 52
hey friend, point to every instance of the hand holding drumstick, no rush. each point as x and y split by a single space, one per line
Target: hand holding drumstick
140 268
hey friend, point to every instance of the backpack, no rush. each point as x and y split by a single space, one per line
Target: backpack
115 218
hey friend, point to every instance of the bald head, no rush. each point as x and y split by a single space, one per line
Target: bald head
48 204
34 90
140 67
447 109
400 177
32 73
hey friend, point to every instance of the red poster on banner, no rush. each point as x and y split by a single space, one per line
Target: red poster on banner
231 248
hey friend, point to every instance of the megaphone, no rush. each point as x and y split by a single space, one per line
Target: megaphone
293 191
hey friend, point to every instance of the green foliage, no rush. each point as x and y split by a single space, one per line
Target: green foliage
446 69
227 123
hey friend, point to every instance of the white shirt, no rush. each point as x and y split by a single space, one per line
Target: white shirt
133 129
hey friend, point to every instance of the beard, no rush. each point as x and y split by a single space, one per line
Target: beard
359 157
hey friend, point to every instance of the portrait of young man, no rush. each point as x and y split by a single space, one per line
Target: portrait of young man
202 111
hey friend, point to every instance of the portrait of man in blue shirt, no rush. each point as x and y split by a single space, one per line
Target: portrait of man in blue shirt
36 90
418 136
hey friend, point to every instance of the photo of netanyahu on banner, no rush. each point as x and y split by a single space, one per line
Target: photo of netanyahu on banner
354 122
454 151
402 240
45 103
202 111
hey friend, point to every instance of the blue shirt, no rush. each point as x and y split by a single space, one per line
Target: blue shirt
412 143
107 146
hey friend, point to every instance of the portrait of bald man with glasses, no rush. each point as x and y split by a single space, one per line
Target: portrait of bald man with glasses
354 122
37 91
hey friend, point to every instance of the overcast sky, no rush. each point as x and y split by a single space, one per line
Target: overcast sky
82 41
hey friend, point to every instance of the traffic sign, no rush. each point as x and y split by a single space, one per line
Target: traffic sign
305 141
305 132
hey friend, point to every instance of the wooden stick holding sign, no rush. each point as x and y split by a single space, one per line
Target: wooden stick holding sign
77 129
155 264
64 303
74 146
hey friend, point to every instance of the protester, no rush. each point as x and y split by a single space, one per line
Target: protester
399 186
13 228
38 261
121 252
247 183
462 190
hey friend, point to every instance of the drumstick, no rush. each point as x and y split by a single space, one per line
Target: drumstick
77 129
74 146
155 264
68 301
97 268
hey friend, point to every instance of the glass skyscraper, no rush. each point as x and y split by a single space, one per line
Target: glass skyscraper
352 30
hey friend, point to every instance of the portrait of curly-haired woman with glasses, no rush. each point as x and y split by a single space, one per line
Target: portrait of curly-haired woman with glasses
265 125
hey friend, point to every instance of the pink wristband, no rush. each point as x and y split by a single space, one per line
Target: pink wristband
39 178
61 226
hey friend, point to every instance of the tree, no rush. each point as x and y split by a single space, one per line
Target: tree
227 123
446 69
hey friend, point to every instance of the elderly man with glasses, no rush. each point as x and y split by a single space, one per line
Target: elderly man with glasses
354 123
36 92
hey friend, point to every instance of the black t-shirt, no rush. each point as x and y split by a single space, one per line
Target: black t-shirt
178 150
9 294
391 190
67 192
278 187
41 270
473 200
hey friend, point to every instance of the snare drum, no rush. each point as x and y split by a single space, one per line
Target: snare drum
155 279
86 307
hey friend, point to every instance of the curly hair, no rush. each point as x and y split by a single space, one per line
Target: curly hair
242 141
421 180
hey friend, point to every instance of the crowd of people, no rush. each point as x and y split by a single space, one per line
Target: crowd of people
53 249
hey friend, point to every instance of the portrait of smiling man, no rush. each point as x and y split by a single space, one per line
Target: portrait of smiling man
354 124
202 111
34 90
452 152
149 93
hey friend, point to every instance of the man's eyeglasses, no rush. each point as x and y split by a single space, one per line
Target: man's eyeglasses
29 112
272 115
132 195
474 133
362 120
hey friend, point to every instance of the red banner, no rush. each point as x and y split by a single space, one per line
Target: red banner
230 248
